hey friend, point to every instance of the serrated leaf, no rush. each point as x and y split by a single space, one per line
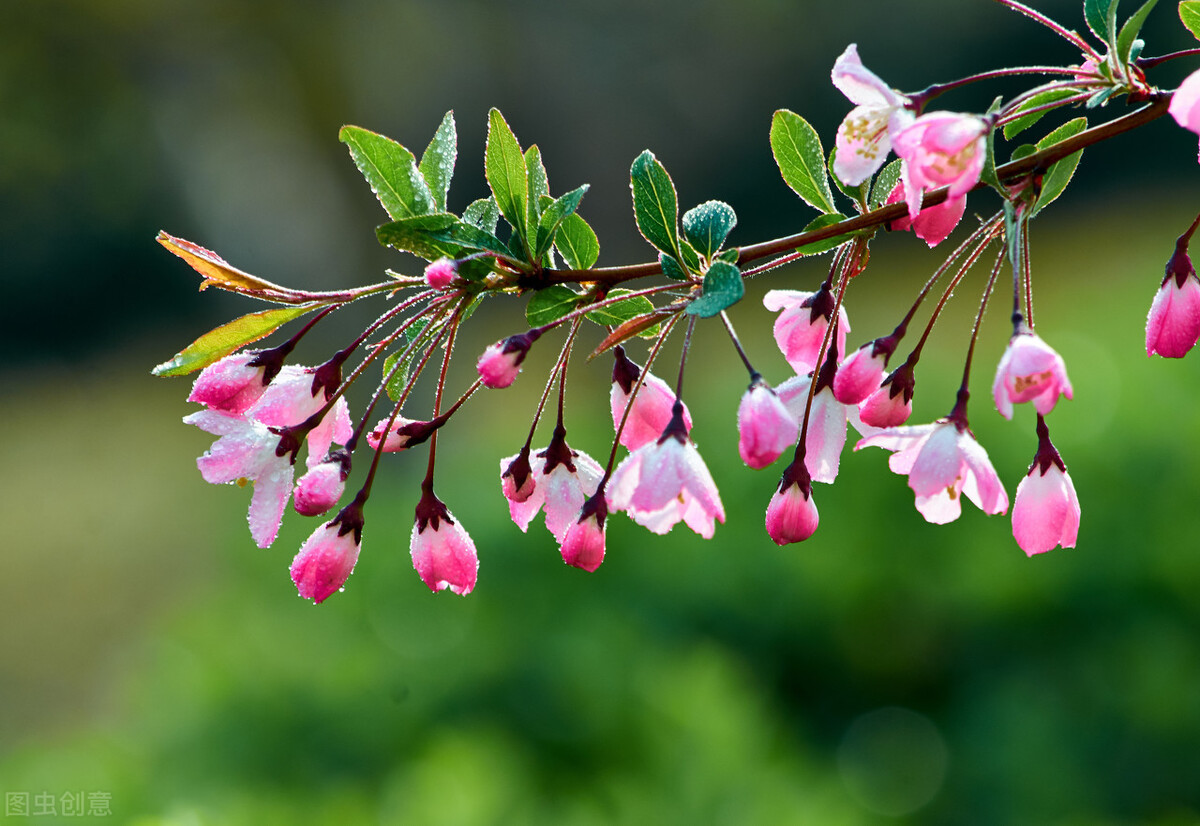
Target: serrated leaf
1059 174
1017 125
220 342
671 268
1189 16
634 327
884 183
708 225
437 163
723 287
553 217
655 207
507 175
1130 30
820 222
801 160
482 214
217 272
616 314
537 187
550 304
1101 17
577 243
1022 151
391 170
415 235
474 239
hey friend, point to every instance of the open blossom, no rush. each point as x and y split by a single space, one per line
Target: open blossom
942 461
766 428
327 557
933 224
1185 103
827 419
801 325
442 551
583 545
650 412
864 136
1029 370
232 384
291 398
500 363
562 479
941 149
666 481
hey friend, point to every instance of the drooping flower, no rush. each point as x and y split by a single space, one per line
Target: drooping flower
827 420
500 363
247 450
583 545
800 327
890 404
516 477
320 489
941 149
441 273
1185 104
666 481
792 514
403 434
327 557
650 412
1046 510
942 461
864 136
862 372
934 224
1173 325
1029 370
442 551
562 480
296 394
232 384
766 428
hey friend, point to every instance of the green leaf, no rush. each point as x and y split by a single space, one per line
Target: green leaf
415 235
820 222
723 287
1189 15
216 344
577 243
553 217
1016 126
884 183
672 268
614 315
1059 174
707 226
550 304
392 172
482 214
801 160
1130 30
507 175
1022 151
537 186
988 174
396 381
472 238
1101 17
655 207
437 164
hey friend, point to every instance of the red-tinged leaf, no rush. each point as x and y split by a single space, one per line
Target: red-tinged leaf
218 272
216 344
631 328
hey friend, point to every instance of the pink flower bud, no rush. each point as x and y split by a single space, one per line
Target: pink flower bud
1173 326
231 385
442 551
890 404
941 149
765 426
801 325
441 273
516 477
322 487
792 515
860 374
1185 103
1029 370
500 363
403 434
327 557
1046 511
583 545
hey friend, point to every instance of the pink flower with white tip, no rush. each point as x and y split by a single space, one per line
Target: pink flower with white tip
890 404
294 396
943 462
234 383
327 557
1185 103
1046 510
932 225
862 372
650 412
442 551
583 545
800 327
1173 326
1029 370
562 480
792 515
322 487
941 149
500 363
766 428
664 482
864 136
441 273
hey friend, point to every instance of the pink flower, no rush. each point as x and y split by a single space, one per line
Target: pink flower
247 450
941 149
442 551
583 545
292 398
1185 103
327 558
765 426
1029 370
403 434
827 418
322 487
942 461
792 514
932 224
890 404
666 481
800 328
650 412
864 137
516 477
1046 511
861 373
1173 326
441 273
562 480
232 384
500 363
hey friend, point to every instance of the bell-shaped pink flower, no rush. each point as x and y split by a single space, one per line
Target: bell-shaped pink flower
583 545
666 481
800 327
766 428
442 551
1173 325
1185 103
327 557
650 412
516 477
295 395
232 384
1046 510
862 372
864 136
500 363
942 461
322 487
562 480
941 149
247 450
1030 370
827 419
792 514
890 404
932 225
441 273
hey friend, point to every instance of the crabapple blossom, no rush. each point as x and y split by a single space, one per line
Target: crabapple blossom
327 557
1185 103
941 149
933 224
890 404
864 136
516 477
1045 511
766 428
1029 370
500 363
562 480
292 398
403 434
442 551
827 419
861 373
441 273
232 384
650 412
583 545
800 327
1173 325
320 489
942 461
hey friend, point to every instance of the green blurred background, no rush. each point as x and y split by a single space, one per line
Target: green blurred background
886 671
